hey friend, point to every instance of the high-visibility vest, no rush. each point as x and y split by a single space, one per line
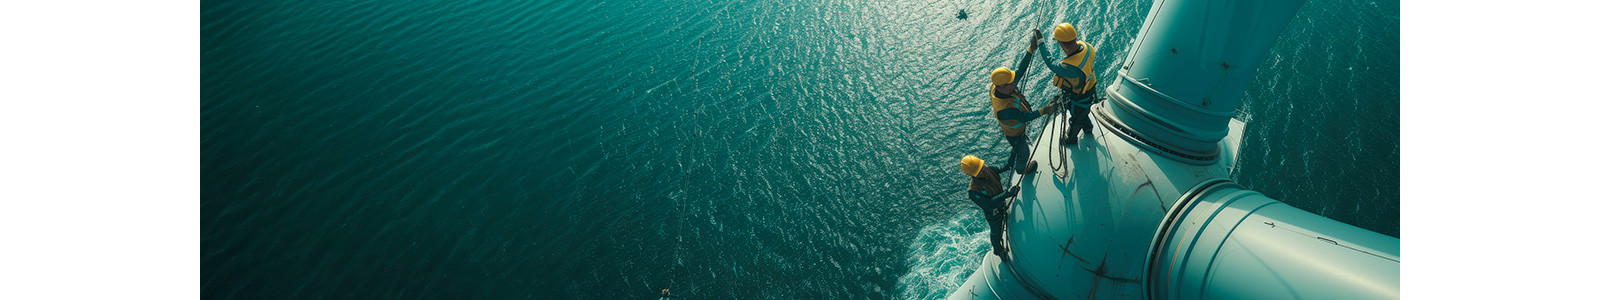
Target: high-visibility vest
1009 127
1077 88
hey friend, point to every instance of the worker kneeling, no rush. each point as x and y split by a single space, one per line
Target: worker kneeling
986 191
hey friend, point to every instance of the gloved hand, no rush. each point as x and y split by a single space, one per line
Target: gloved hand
1033 42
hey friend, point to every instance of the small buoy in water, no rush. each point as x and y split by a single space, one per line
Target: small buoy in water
962 14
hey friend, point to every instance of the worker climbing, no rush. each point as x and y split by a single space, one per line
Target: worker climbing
989 194
1012 110
1074 75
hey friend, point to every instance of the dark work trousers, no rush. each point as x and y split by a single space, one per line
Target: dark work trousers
1079 121
1019 152
997 233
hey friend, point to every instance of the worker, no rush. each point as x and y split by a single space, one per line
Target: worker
667 295
1074 75
986 191
1012 110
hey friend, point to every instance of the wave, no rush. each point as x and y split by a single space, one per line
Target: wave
942 257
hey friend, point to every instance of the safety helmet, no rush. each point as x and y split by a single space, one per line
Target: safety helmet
1002 75
971 165
1066 33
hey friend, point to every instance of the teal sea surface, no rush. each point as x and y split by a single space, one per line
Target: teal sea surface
560 149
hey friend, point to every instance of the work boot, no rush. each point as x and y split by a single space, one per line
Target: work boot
1031 166
1071 140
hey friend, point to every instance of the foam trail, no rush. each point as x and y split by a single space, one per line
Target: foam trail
942 257
653 90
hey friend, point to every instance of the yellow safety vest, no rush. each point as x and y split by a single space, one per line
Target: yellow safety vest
1009 127
1084 60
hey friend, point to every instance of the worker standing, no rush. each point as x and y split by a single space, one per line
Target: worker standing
986 191
1012 110
1074 75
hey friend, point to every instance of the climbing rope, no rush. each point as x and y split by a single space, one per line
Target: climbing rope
1060 131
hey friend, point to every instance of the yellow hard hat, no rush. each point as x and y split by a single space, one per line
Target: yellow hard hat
1002 75
1066 33
971 165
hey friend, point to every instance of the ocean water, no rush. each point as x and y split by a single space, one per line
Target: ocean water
561 149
